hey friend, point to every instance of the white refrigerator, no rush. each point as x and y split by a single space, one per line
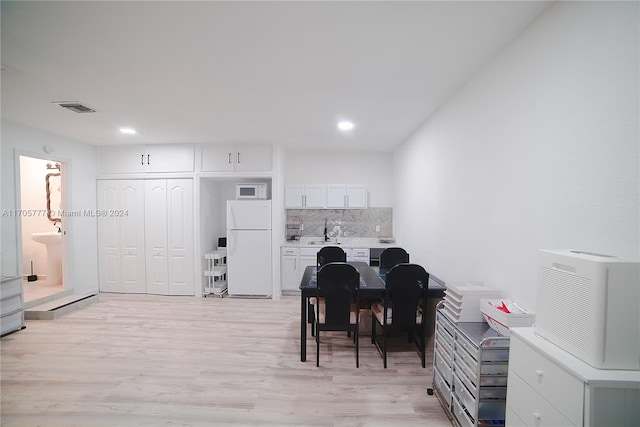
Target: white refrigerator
249 248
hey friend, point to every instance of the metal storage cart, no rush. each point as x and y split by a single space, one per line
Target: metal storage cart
216 273
470 367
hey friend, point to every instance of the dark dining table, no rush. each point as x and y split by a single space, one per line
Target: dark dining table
372 287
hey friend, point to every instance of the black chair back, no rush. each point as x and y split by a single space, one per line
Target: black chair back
391 257
330 254
338 284
405 287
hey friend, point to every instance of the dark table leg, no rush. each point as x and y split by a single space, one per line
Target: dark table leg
303 327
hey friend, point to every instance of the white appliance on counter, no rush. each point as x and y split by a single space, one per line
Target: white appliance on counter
588 305
249 248
251 191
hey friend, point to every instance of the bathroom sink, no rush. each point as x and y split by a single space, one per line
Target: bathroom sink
53 243
47 237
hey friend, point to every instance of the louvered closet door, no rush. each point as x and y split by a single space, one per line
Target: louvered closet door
156 236
121 236
180 236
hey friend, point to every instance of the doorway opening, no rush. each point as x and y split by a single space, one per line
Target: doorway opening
42 211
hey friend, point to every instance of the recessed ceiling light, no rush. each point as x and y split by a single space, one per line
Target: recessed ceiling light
345 125
128 131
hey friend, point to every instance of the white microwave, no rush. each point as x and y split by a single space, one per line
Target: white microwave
251 191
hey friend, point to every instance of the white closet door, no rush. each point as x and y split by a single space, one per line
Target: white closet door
132 232
156 236
110 251
180 236
121 236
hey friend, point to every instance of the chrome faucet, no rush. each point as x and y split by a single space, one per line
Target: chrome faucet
326 238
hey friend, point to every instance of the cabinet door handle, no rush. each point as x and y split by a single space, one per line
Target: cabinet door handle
142 159
238 155
148 157
229 158
304 200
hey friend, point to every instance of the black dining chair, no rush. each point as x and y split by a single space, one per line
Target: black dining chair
330 254
402 308
324 256
338 304
390 257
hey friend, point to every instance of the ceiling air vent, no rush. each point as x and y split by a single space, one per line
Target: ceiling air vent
75 106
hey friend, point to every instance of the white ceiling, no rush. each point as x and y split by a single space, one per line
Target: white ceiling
222 72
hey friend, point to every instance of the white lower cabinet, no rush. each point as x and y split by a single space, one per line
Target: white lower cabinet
145 237
550 387
357 254
294 260
470 371
308 256
289 270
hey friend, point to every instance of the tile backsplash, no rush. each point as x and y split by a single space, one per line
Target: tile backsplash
344 222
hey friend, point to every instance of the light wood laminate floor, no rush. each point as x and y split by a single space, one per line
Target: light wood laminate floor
148 360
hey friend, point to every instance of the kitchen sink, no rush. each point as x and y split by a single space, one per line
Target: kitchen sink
323 243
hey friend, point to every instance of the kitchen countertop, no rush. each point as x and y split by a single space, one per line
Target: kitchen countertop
346 242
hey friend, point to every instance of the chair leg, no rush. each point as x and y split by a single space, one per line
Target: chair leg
423 344
384 347
317 348
356 338
373 329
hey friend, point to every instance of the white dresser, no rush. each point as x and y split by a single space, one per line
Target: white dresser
549 387
11 307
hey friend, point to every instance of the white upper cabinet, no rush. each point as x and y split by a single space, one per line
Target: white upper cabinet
147 158
346 196
305 196
237 158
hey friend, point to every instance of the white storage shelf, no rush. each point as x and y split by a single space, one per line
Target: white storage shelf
470 371
216 273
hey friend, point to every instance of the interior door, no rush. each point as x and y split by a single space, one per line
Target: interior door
120 218
180 236
110 250
155 214
132 236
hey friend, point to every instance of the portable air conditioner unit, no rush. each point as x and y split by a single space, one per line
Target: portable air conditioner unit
589 305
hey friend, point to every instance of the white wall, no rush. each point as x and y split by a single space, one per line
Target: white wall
374 169
539 150
82 165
